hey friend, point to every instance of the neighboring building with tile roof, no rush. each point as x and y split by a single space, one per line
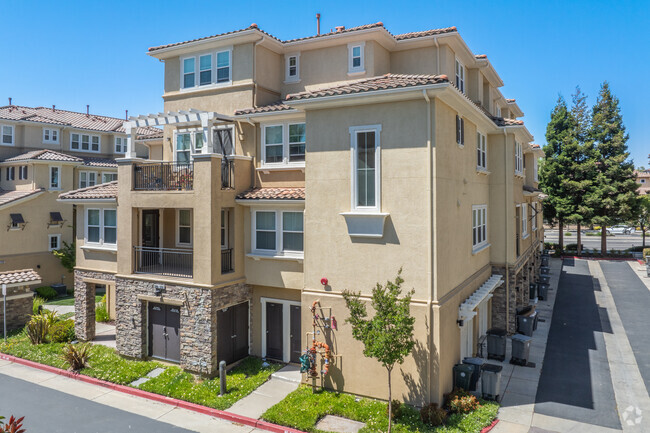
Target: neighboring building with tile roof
643 179
19 297
291 170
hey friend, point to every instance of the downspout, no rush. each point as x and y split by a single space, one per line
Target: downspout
255 70
507 206
437 56
430 237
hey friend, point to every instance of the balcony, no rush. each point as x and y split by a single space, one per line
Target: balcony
227 174
163 176
170 262
226 261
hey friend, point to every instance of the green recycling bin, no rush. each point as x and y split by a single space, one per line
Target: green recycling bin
463 376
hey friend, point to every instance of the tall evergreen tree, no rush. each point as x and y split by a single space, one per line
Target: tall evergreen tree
615 191
557 207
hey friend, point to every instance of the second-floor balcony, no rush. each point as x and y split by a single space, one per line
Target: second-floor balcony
171 262
163 176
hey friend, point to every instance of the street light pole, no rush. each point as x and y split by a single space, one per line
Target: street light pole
4 311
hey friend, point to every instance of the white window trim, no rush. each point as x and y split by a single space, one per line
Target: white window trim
359 69
224 227
101 243
49 179
279 251
524 220
535 169
460 133
122 145
22 168
354 130
88 173
288 79
49 242
197 71
286 325
481 146
107 173
460 73
534 216
90 142
519 159
483 244
285 146
51 133
178 229
10 175
13 134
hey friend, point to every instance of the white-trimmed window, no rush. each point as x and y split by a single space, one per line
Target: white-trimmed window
55 177
292 73
479 226
84 142
53 242
224 229
187 142
7 135
279 232
50 135
356 61
519 159
87 178
120 144
460 130
534 219
284 144
498 110
460 76
366 165
206 69
101 226
11 173
524 220
22 172
535 169
184 227
481 151
109 177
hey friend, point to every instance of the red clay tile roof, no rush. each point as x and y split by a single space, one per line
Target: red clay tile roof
480 56
273 194
99 162
535 146
500 121
383 82
425 33
101 191
251 27
22 276
72 119
340 32
276 106
6 197
44 155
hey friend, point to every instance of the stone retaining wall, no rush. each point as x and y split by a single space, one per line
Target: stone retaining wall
18 309
84 302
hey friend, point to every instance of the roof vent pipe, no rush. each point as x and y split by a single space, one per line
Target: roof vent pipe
53 107
9 101
318 24
126 114
87 110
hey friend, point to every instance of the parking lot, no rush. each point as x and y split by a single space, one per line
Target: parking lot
614 242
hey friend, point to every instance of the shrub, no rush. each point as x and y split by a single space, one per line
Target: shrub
14 425
573 247
51 317
46 292
397 409
568 234
433 415
62 332
37 329
38 303
76 356
67 255
463 404
646 253
101 312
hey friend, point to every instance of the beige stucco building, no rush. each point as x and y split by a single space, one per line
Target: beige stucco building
643 179
290 171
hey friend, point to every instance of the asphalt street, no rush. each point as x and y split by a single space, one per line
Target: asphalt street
615 242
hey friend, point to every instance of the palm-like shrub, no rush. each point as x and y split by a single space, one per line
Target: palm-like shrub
38 329
76 355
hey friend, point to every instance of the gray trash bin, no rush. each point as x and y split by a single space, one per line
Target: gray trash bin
463 376
543 291
59 288
520 349
532 293
491 381
544 270
545 260
544 279
526 324
496 344
476 363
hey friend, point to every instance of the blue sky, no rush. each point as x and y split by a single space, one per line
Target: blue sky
73 53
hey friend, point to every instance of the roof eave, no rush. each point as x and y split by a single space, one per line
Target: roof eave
21 200
246 35
260 202
86 200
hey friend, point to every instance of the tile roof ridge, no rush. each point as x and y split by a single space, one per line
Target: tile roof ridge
88 188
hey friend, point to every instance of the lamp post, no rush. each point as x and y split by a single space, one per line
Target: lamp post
4 311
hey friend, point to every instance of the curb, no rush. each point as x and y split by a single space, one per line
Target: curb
619 259
491 426
228 416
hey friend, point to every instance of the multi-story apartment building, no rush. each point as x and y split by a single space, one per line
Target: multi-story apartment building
643 179
44 151
293 170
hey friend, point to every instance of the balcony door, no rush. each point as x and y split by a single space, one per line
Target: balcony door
151 255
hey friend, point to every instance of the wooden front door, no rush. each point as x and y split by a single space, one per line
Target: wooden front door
232 333
150 257
274 326
294 338
164 331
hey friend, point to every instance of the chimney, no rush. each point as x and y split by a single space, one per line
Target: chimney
339 28
318 24
53 107
126 114
87 110
9 101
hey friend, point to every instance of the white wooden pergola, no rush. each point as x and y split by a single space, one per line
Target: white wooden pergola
483 293
206 119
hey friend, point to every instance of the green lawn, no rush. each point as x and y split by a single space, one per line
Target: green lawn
69 300
302 409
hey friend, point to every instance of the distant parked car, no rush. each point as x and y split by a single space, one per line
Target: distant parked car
621 230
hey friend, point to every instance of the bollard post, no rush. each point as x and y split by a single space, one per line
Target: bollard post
222 378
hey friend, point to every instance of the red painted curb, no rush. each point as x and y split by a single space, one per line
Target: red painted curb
622 259
228 416
491 426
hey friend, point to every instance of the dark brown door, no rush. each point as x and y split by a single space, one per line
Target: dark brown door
164 331
295 333
150 257
172 331
157 339
274 331
232 333
240 339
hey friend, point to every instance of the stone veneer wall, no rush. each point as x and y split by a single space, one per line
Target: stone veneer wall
18 310
198 329
84 302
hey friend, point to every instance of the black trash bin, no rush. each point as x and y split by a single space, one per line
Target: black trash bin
520 349
532 294
546 260
543 291
526 324
544 270
59 288
463 376
491 381
476 363
544 279
496 344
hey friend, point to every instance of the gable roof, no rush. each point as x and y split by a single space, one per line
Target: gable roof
273 194
8 197
44 155
21 276
270 108
102 191
99 162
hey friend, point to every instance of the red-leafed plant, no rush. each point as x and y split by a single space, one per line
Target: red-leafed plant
14 425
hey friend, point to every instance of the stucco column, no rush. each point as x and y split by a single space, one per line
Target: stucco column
84 307
206 218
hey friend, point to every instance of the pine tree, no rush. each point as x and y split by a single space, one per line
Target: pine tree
615 185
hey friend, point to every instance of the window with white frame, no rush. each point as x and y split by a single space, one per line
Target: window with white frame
22 172
101 226
224 229
109 177
120 144
284 143
11 173
213 68
53 242
87 178
184 227
534 212
292 73
278 231
84 142
187 142
479 226
50 135
366 150
55 177
460 76
481 151
535 169
524 220
356 58
7 135
519 158
498 111
460 130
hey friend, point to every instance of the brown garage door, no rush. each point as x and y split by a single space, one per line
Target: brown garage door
232 333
